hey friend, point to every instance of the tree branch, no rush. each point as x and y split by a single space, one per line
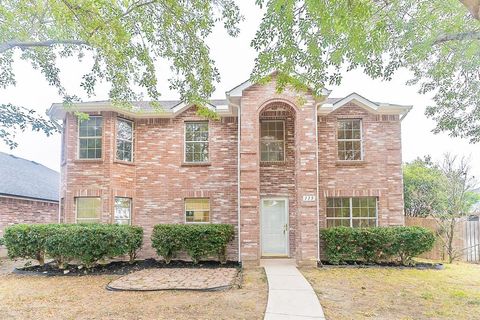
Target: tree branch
470 35
48 43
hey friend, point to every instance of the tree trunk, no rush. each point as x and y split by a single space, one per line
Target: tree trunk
473 6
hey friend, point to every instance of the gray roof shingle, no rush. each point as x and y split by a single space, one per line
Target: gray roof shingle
24 178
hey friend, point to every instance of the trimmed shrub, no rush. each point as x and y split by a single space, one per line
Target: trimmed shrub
197 240
411 242
168 240
27 241
374 245
61 247
86 243
2 242
133 242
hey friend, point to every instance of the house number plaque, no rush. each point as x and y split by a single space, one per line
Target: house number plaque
308 198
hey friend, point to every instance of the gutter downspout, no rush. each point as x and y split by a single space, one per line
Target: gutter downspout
239 118
318 183
64 152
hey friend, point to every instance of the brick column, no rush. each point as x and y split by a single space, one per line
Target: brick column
306 181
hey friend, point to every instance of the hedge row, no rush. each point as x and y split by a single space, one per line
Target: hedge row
197 240
378 244
87 243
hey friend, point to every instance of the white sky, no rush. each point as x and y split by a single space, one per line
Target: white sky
234 58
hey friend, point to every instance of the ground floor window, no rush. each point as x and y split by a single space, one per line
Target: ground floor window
88 209
352 212
123 210
197 210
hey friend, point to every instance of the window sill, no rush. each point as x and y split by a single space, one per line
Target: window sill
272 163
341 163
88 161
128 163
196 164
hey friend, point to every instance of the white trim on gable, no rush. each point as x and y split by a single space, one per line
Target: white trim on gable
238 90
373 107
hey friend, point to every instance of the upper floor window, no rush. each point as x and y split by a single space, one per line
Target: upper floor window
352 212
88 209
124 140
349 139
272 140
90 138
196 142
197 210
123 210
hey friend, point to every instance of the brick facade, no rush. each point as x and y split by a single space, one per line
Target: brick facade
21 210
158 180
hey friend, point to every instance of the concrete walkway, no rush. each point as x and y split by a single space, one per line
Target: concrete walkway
290 296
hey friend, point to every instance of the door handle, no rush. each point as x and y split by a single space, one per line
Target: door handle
285 228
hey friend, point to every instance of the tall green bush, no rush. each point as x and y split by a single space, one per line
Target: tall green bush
86 243
374 245
197 240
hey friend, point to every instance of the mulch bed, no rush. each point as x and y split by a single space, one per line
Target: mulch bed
355 264
118 267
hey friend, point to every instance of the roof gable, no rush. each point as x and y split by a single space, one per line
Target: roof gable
374 107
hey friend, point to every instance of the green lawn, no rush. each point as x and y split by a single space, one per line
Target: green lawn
379 293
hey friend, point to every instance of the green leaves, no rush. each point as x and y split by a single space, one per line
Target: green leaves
423 184
314 40
380 244
14 119
198 240
87 243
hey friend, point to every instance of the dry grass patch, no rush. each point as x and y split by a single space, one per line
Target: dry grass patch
35 297
381 293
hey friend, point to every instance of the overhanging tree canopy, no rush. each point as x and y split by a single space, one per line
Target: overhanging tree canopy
437 40
309 40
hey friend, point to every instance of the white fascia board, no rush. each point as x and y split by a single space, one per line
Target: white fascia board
358 99
238 90
57 111
376 108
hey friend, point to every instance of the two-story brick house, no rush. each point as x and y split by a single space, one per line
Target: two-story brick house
276 166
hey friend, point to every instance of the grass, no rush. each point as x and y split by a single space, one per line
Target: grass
380 293
36 297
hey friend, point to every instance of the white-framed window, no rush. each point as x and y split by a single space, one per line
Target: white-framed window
352 212
123 210
88 209
197 210
196 141
272 140
349 139
90 138
124 140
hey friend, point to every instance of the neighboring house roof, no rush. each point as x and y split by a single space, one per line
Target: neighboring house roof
226 107
27 179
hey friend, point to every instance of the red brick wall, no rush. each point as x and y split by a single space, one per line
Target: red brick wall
157 181
278 179
303 217
17 210
380 174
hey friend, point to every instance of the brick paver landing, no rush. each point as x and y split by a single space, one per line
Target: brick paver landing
176 279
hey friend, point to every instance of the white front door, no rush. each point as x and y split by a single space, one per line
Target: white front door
274 227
